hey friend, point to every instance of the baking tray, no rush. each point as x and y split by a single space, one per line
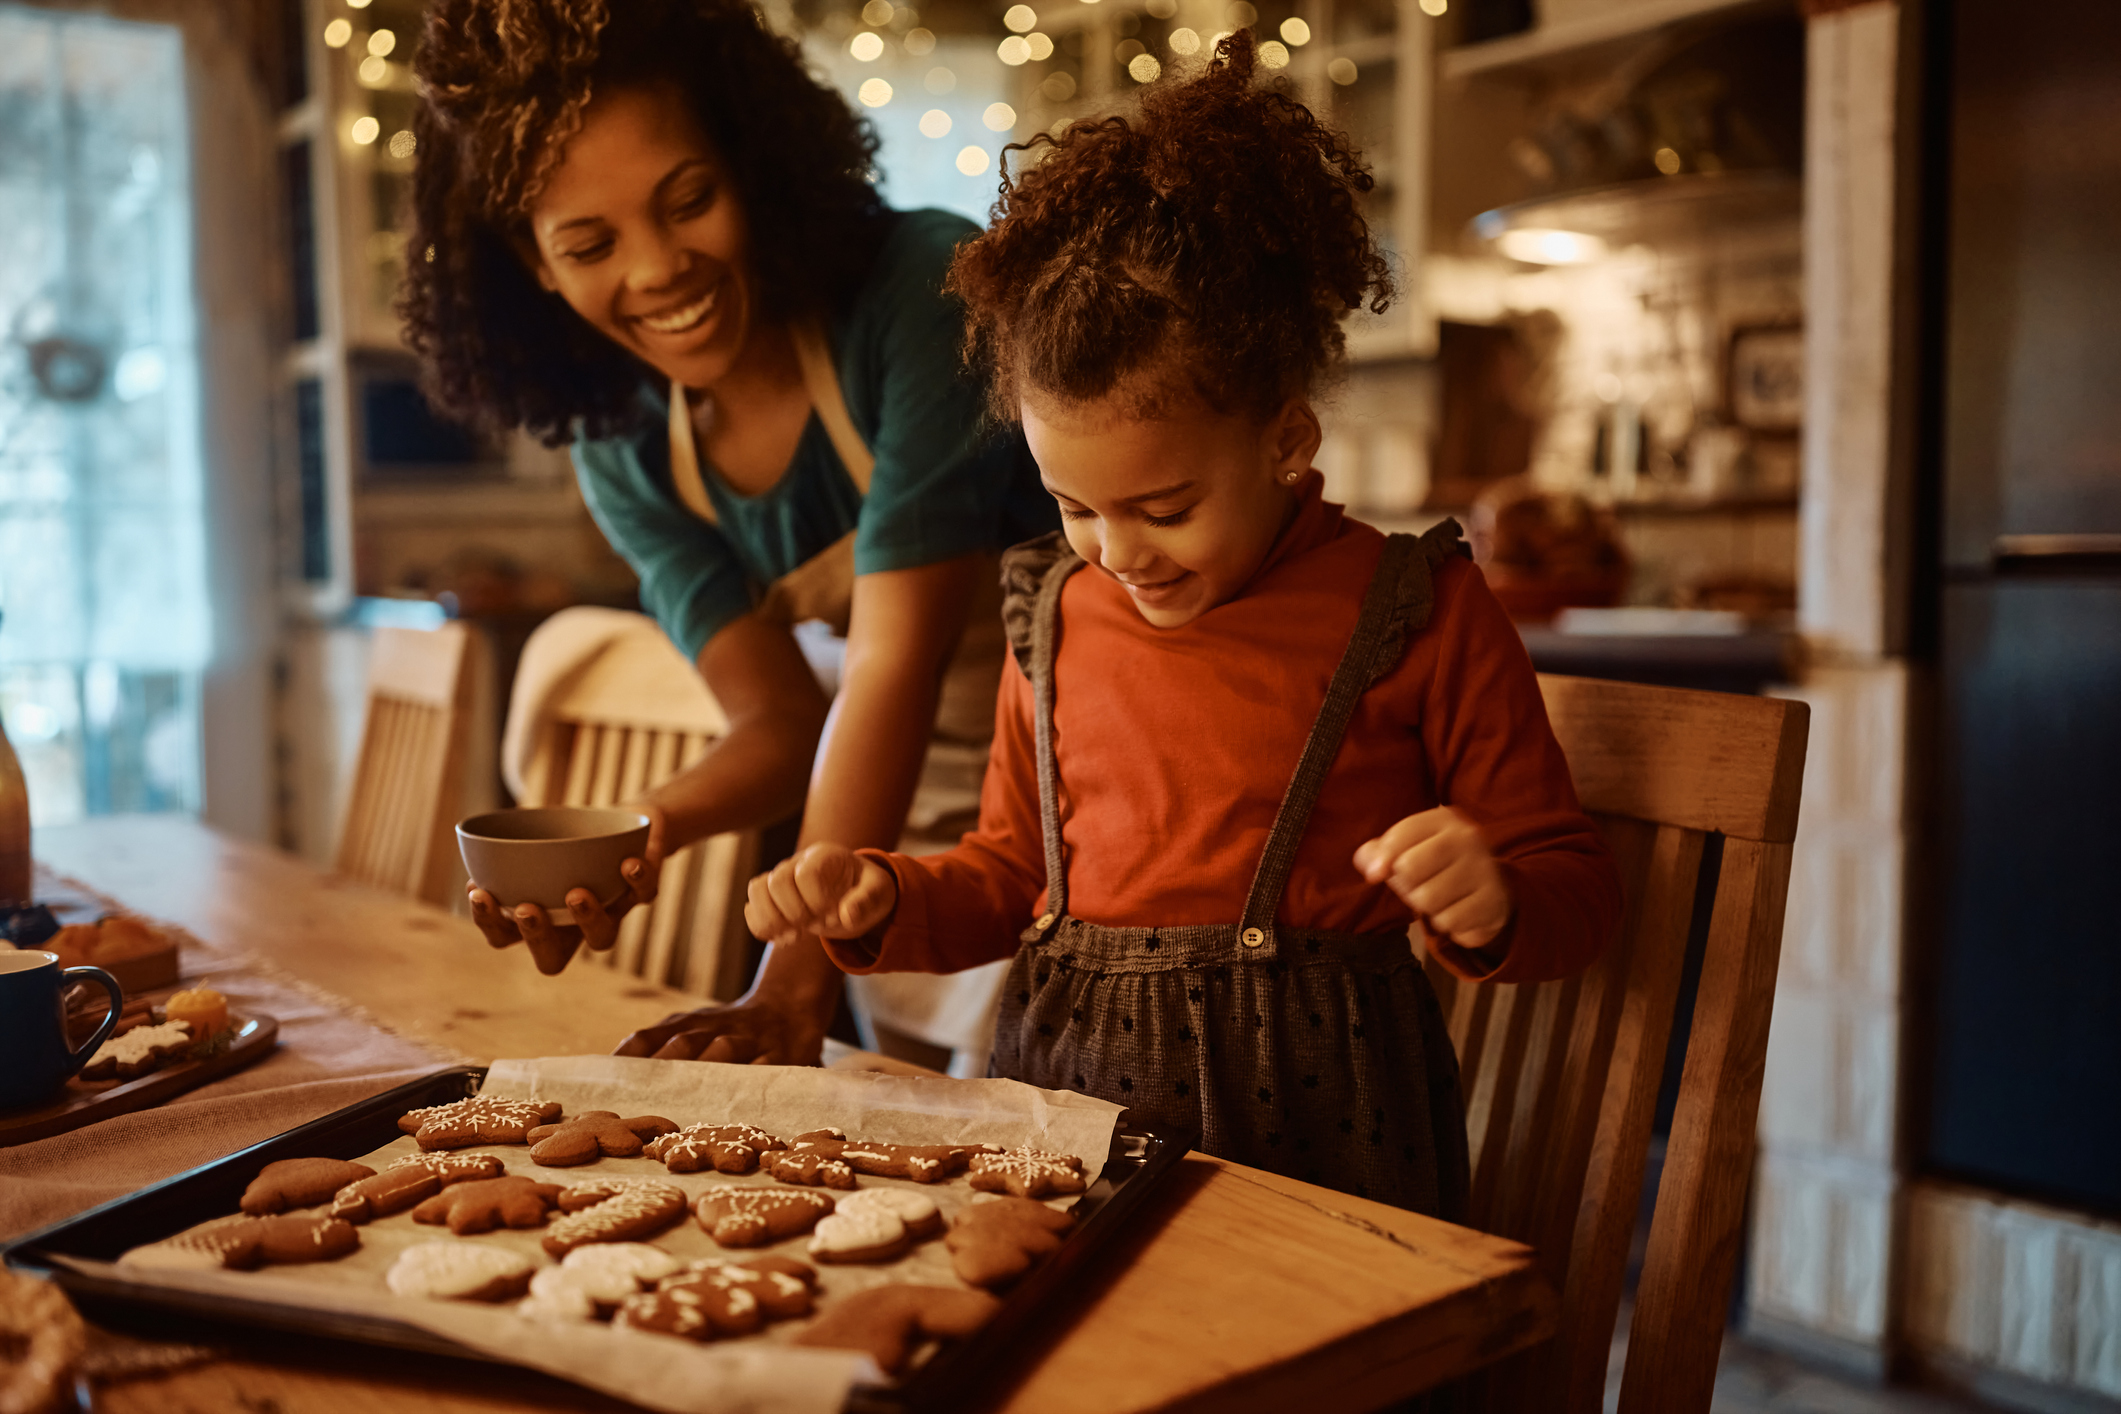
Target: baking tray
1139 1159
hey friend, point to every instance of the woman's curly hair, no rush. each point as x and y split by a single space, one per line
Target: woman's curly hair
1218 227
503 87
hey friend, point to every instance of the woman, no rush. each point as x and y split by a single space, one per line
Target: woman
646 227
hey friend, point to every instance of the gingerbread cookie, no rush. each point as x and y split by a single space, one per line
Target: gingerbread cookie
460 1271
562 1303
788 1288
707 1302
923 1163
890 1322
866 1235
603 1274
593 1135
299 1183
613 1210
923 1219
726 1148
995 1242
810 1169
482 1119
412 1179
138 1051
243 1243
1028 1173
487 1203
753 1217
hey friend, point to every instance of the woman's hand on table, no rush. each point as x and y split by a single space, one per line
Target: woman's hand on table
1439 866
553 945
826 889
761 1029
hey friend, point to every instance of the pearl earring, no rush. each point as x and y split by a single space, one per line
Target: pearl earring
1292 477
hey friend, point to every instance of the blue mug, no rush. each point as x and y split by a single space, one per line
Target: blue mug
34 1057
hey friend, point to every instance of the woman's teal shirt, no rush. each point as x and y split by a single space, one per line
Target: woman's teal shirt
947 481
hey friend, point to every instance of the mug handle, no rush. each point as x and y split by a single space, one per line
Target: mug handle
86 1051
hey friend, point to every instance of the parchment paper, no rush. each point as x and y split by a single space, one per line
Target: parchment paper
759 1374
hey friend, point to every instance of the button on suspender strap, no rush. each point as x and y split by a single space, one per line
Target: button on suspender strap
1374 633
821 380
1045 648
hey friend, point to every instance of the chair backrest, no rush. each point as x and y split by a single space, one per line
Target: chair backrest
408 782
635 716
1696 794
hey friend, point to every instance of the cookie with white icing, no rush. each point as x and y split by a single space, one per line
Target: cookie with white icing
482 1119
809 1169
1028 1173
866 1235
460 1271
242 1243
715 1301
923 1219
411 1180
138 1051
606 1273
725 1148
613 1210
923 1163
753 1217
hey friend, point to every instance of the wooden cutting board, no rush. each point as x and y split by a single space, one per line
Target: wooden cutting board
86 1101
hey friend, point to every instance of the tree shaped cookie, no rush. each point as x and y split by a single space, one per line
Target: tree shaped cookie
592 1135
482 1119
996 1241
487 1203
753 1217
726 1148
1028 1173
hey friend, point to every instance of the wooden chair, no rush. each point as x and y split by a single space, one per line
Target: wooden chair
1696 794
408 783
636 716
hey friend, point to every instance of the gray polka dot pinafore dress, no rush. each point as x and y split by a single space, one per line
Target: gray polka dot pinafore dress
1321 1056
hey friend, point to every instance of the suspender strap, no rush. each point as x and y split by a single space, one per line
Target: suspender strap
1045 648
821 380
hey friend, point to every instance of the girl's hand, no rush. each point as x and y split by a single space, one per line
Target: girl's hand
553 945
1440 867
825 889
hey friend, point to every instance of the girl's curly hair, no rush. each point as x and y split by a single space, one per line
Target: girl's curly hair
503 86
1219 226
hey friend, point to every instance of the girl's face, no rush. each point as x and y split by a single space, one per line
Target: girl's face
641 230
1181 509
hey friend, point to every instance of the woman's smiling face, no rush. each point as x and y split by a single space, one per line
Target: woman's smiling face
641 230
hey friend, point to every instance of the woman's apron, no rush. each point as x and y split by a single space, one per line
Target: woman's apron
955 1011
1318 1055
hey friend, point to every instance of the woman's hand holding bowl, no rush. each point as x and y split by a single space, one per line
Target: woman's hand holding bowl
554 944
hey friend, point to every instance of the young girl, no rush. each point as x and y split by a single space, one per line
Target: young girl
1244 740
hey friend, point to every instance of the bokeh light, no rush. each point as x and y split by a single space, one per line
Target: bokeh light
338 34
935 123
373 71
1295 31
1143 68
1161 9
1342 71
1184 41
972 161
920 41
382 42
1041 45
1274 54
1021 18
364 130
999 117
1239 14
403 144
877 12
1668 161
1541 245
356 4
1013 51
874 93
1434 7
939 80
1058 88
866 46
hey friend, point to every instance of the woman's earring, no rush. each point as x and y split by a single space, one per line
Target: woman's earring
1292 477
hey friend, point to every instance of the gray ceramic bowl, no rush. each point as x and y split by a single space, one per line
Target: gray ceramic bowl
536 856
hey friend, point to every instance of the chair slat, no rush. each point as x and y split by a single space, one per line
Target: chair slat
408 780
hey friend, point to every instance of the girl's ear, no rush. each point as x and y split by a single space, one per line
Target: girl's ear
533 260
1292 440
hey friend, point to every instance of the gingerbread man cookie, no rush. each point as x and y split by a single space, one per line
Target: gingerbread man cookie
460 1271
593 1135
923 1163
487 1203
243 1243
412 1179
996 1241
753 1217
482 1119
1028 1173
613 1210
138 1051
809 1168
726 1148
890 1322
299 1183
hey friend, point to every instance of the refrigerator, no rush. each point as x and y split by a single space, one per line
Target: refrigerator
2020 926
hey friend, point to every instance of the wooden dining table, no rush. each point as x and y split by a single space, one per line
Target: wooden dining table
1235 1290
